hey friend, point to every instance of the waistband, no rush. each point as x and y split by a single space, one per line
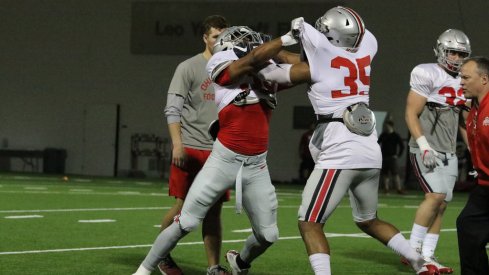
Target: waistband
328 118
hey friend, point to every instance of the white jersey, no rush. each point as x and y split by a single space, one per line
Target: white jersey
434 83
225 95
440 126
339 79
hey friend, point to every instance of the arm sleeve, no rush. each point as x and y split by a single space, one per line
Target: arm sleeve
174 107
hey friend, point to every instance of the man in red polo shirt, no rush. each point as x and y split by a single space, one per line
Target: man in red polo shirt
473 221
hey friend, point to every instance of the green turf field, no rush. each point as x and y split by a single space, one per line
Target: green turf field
106 226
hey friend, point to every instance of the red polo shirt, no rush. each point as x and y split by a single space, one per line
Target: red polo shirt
478 136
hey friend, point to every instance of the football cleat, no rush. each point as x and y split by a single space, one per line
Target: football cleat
443 269
217 270
428 269
167 266
231 256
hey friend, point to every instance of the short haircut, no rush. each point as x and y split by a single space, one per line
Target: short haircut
214 21
482 64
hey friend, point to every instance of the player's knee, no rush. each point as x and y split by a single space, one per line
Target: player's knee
365 219
267 235
448 197
187 223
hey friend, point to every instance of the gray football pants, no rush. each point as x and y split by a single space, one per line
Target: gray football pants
216 176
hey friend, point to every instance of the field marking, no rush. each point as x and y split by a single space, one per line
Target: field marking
35 188
329 235
162 208
246 230
118 209
96 221
84 209
118 193
81 190
24 217
129 192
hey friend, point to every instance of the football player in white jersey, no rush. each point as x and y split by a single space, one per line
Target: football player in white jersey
338 53
238 156
432 116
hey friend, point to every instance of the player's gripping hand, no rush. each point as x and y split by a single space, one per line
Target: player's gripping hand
292 37
428 155
296 26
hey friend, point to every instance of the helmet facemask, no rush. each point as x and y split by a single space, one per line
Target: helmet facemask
343 27
240 36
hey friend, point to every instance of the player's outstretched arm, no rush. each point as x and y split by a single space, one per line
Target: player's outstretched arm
258 57
285 56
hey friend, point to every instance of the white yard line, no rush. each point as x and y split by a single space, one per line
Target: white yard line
85 209
329 235
158 208
24 217
96 221
117 193
35 188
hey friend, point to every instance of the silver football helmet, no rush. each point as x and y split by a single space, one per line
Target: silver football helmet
452 40
237 36
343 27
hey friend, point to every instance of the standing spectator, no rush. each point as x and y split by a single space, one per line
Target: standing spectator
473 221
432 116
307 163
189 110
238 156
392 147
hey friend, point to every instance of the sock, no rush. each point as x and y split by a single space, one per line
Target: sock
142 271
242 264
164 243
401 246
320 263
429 244
418 233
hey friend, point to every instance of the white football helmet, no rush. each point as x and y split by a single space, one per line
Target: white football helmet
241 36
452 40
343 27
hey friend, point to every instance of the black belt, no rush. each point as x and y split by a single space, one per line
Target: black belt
328 118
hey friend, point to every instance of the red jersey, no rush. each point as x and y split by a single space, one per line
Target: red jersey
478 136
244 129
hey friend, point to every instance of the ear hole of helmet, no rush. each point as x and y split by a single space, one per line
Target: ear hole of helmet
343 27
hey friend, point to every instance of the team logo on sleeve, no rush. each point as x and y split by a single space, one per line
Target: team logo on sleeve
486 121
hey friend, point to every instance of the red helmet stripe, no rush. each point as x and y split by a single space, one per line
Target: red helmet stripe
360 26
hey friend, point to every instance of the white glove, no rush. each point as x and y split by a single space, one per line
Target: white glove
296 26
288 39
292 37
428 155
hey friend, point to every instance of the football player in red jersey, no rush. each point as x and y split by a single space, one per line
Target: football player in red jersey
238 157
